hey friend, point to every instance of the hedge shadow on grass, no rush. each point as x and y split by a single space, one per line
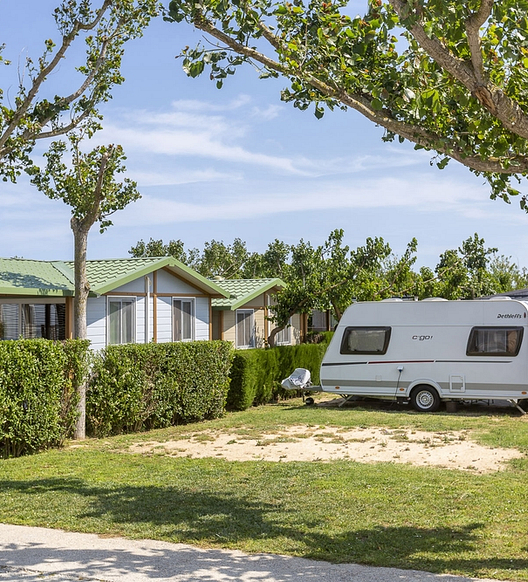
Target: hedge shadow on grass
222 520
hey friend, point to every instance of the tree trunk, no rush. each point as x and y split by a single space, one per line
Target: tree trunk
82 288
337 312
272 335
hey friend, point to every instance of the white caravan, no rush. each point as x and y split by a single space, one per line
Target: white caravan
427 352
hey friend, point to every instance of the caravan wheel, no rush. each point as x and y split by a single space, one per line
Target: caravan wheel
425 399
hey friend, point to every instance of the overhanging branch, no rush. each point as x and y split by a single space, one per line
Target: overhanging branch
493 99
362 104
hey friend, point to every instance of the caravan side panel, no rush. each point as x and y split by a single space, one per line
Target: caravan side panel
428 345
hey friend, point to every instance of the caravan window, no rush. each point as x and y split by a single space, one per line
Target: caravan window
365 340
494 341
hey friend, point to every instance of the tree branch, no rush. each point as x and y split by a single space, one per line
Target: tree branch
363 105
44 72
473 24
502 107
437 51
93 213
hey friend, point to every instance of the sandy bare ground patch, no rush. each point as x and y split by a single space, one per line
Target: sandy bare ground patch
451 450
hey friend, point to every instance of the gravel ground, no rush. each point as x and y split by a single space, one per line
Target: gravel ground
30 554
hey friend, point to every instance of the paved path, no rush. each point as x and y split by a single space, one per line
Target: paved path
30 554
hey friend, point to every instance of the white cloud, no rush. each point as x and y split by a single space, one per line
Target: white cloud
193 128
199 143
198 105
11 201
229 132
419 195
178 177
191 134
213 124
360 163
267 114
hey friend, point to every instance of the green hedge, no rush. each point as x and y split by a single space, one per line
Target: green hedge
38 393
133 387
256 374
142 386
319 337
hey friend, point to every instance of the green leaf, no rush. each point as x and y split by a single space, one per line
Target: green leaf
442 163
196 68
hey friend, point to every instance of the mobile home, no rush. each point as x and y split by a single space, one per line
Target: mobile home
430 351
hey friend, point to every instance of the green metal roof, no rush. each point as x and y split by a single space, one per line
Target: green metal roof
242 291
26 277
106 275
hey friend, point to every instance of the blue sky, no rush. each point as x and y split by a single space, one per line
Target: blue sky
237 162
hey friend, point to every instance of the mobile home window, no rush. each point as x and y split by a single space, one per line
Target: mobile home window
494 341
365 340
35 320
10 325
121 320
283 338
182 320
245 328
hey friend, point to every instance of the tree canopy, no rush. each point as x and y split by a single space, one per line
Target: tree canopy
217 259
449 76
88 184
31 114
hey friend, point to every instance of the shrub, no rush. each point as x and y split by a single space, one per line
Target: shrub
142 386
38 393
319 337
254 377
256 374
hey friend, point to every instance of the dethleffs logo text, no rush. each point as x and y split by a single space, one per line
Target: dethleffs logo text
509 316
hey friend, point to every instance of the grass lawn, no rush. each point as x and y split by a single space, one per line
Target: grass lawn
381 514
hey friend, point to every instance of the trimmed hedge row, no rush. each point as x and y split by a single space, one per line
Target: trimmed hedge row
138 387
133 387
38 393
256 374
